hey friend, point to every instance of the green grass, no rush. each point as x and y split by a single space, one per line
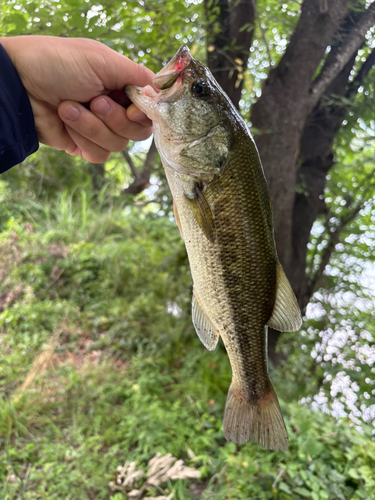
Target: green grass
80 420
127 378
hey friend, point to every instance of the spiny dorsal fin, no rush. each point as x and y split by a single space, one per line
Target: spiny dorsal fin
286 315
177 218
208 335
202 213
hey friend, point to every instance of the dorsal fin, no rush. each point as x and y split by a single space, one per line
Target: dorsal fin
286 315
208 335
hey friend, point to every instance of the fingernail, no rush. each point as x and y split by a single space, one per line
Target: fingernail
71 113
102 107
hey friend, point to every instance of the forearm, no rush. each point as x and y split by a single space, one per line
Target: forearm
18 137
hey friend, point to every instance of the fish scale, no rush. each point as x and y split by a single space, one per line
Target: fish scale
231 267
223 210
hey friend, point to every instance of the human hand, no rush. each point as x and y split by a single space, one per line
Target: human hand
60 73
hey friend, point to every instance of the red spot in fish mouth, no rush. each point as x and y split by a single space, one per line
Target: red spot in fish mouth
182 62
180 65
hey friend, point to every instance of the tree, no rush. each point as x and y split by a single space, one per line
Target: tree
305 71
295 123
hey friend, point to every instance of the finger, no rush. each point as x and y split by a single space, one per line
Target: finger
75 150
120 97
87 149
50 129
90 126
117 120
136 115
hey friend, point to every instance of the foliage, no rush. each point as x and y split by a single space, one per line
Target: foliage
128 378
148 34
338 338
68 438
99 361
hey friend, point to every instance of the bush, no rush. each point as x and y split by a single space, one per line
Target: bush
100 365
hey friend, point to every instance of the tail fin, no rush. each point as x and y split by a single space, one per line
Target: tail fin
260 420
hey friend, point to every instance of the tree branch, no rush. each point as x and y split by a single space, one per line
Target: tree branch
42 175
230 29
141 179
281 112
362 73
316 158
349 46
335 235
129 161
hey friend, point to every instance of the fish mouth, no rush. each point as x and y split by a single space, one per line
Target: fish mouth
166 78
145 98
166 86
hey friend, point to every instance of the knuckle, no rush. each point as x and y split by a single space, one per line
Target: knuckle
105 157
92 130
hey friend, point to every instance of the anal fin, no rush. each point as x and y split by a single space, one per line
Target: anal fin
208 335
286 314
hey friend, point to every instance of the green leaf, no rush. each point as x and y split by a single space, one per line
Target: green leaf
353 473
284 487
313 447
303 492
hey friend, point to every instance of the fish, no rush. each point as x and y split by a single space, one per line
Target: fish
223 211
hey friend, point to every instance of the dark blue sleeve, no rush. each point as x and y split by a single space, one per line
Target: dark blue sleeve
18 138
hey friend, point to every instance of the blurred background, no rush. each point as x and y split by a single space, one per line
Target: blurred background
99 360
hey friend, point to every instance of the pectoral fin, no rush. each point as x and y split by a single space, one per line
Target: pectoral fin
202 212
208 335
177 218
286 315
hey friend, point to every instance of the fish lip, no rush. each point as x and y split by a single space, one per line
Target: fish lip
134 91
164 82
167 77
180 60
164 88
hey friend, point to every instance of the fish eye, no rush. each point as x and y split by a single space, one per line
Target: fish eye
200 89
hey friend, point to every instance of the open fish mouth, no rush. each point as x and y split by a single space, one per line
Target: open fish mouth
166 78
161 90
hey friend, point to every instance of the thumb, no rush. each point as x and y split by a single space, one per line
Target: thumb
120 71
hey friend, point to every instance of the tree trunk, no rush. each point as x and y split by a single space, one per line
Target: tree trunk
282 109
229 38
300 178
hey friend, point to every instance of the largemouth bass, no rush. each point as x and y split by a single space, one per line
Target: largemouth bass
223 210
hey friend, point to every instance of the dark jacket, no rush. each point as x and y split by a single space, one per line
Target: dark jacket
18 138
